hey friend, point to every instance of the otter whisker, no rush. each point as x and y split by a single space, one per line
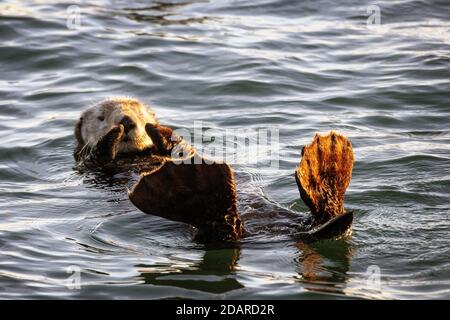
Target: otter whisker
83 149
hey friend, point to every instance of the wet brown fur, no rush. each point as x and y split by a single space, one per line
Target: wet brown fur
80 141
193 192
324 174
203 194
98 123
105 157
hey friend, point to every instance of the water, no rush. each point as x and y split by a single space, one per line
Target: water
299 66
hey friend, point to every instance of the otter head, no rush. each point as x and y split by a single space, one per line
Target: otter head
107 115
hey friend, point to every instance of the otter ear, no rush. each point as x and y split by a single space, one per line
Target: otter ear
78 135
79 138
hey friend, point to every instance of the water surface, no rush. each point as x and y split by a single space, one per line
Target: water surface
299 66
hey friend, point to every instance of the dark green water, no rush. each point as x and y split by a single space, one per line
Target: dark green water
300 66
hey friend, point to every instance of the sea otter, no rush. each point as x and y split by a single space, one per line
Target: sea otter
113 135
178 184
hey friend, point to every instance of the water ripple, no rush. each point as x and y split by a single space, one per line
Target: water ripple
301 67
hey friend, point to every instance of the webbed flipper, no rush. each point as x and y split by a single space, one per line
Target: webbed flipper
335 227
194 192
324 174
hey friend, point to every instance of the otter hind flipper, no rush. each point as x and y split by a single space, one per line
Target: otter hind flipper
324 174
193 192
336 227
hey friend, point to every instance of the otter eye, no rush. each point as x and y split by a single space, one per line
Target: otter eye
101 118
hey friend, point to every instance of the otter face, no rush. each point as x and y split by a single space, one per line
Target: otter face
98 120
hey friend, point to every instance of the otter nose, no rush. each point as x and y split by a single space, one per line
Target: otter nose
127 123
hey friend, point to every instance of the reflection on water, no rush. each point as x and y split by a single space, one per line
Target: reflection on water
118 182
164 14
211 274
323 266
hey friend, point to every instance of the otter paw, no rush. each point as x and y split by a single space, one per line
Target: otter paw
161 137
167 143
108 146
